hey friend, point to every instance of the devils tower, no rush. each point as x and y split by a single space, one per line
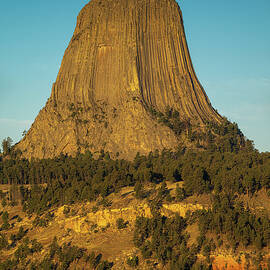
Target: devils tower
124 57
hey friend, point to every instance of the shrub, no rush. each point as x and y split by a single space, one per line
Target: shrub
3 241
4 202
5 226
121 224
95 209
180 193
66 210
40 222
22 251
36 246
5 217
21 233
133 261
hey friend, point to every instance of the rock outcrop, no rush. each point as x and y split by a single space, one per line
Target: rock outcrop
125 56
109 216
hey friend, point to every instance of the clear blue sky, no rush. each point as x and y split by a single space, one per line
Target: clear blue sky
229 42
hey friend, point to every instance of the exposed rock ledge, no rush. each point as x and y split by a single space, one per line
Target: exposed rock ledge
109 216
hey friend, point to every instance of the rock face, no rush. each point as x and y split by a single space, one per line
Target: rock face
109 216
125 56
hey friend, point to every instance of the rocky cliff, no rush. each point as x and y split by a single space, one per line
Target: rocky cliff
125 57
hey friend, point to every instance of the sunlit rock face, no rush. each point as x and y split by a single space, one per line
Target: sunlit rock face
125 56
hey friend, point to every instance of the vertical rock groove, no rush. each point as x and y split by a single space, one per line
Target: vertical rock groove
124 56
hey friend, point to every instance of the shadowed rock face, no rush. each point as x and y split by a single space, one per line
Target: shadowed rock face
124 56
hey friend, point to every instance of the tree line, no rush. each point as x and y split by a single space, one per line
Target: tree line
66 179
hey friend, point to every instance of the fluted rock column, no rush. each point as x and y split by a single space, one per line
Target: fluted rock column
124 56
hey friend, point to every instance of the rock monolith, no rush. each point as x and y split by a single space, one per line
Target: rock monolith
124 58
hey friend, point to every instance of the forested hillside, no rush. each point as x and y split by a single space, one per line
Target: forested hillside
227 171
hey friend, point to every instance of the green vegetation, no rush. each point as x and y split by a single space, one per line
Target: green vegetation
3 241
238 225
27 248
6 145
171 119
121 224
180 193
58 257
226 168
5 219
66 180
224 137
133 261
165 239
17 237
